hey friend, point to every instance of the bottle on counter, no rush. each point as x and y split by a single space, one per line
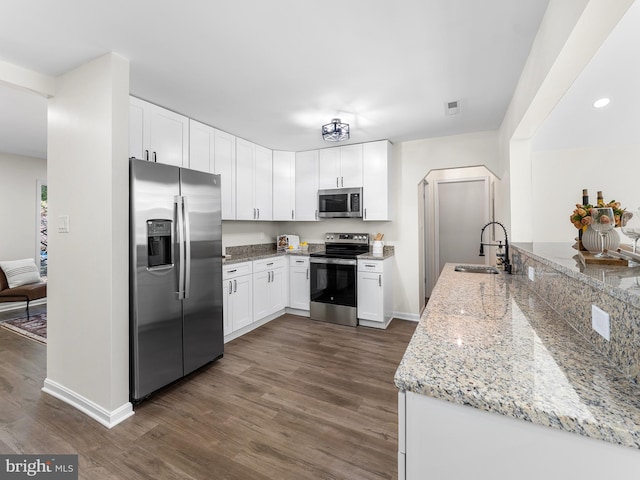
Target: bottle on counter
500 256
600 199
585 196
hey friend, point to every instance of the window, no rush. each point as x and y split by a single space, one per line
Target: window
42 223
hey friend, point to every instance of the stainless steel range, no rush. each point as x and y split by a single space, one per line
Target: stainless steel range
334 290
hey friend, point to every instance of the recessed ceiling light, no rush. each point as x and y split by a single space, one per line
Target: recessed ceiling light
601 102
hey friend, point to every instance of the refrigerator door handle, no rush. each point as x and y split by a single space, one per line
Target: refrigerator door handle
181 253
187 248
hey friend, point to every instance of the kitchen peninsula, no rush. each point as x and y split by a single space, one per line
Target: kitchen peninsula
492 343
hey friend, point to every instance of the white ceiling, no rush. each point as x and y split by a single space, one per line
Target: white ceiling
274 71
613 72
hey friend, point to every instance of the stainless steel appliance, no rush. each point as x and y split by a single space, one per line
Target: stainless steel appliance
334 289
175 274
340 203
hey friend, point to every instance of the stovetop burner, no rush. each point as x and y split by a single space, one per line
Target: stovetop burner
344 245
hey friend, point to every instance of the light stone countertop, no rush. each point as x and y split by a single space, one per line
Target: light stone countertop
622 282
489 342
249 257
252 254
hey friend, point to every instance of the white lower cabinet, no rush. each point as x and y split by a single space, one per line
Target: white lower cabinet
375 293
237 298
299 283
269 286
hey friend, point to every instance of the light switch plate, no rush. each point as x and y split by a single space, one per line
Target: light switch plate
531 272
63 224
600 322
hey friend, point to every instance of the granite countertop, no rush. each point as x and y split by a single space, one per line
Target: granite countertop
622 282
250 256
251 253
387 251
489 342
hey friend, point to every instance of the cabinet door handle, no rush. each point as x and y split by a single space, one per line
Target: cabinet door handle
379 280
235 286
316 214
291 214
155 157
233 271
270 263
258 213
369 265
337 185
299 261
254 213
342 181
307 274
365 213
146 155
230 288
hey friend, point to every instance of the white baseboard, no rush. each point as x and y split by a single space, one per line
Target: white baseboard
296 311
253 326
374 324
107 418
414 317
6 307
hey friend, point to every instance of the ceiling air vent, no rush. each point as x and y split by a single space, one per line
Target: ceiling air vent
451 108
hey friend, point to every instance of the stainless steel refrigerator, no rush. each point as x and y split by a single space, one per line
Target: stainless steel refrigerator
175 274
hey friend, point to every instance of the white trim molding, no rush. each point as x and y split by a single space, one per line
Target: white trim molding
414 317
107 418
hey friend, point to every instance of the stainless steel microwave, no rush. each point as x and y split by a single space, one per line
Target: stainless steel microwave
340 203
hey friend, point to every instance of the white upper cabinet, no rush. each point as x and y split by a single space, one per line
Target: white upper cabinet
201 145
284 185
157 134
351 168
224 154
341 167
329 168
253 181
377 181
214 151
306 189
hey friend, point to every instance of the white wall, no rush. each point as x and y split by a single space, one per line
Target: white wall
88 304
559 176
569 35
236 233
19 204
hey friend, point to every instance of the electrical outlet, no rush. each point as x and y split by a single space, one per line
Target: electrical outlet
531 272
600 322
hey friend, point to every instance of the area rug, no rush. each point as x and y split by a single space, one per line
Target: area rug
34 327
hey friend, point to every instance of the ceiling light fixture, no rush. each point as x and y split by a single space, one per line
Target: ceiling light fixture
335 131
601 102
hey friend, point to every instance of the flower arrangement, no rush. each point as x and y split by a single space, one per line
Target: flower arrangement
581 216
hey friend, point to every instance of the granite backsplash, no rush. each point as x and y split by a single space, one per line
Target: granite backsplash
571 294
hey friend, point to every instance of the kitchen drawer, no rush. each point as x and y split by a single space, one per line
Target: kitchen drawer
297 261
236 270
269 264
370 266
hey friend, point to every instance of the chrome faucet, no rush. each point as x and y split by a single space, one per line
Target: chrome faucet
505 259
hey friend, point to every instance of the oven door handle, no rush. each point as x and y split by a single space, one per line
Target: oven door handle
334 261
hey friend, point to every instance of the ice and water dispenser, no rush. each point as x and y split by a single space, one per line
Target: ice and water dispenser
159 243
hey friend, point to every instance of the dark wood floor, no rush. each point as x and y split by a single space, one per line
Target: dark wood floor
294 399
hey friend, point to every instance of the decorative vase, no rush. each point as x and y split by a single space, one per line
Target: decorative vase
591 240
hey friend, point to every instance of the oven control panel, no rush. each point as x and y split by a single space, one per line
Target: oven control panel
358 238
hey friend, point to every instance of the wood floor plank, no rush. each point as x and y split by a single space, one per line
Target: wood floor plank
295 399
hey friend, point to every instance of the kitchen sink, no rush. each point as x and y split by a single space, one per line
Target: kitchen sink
476 269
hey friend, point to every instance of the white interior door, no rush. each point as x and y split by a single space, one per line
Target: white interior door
461 210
